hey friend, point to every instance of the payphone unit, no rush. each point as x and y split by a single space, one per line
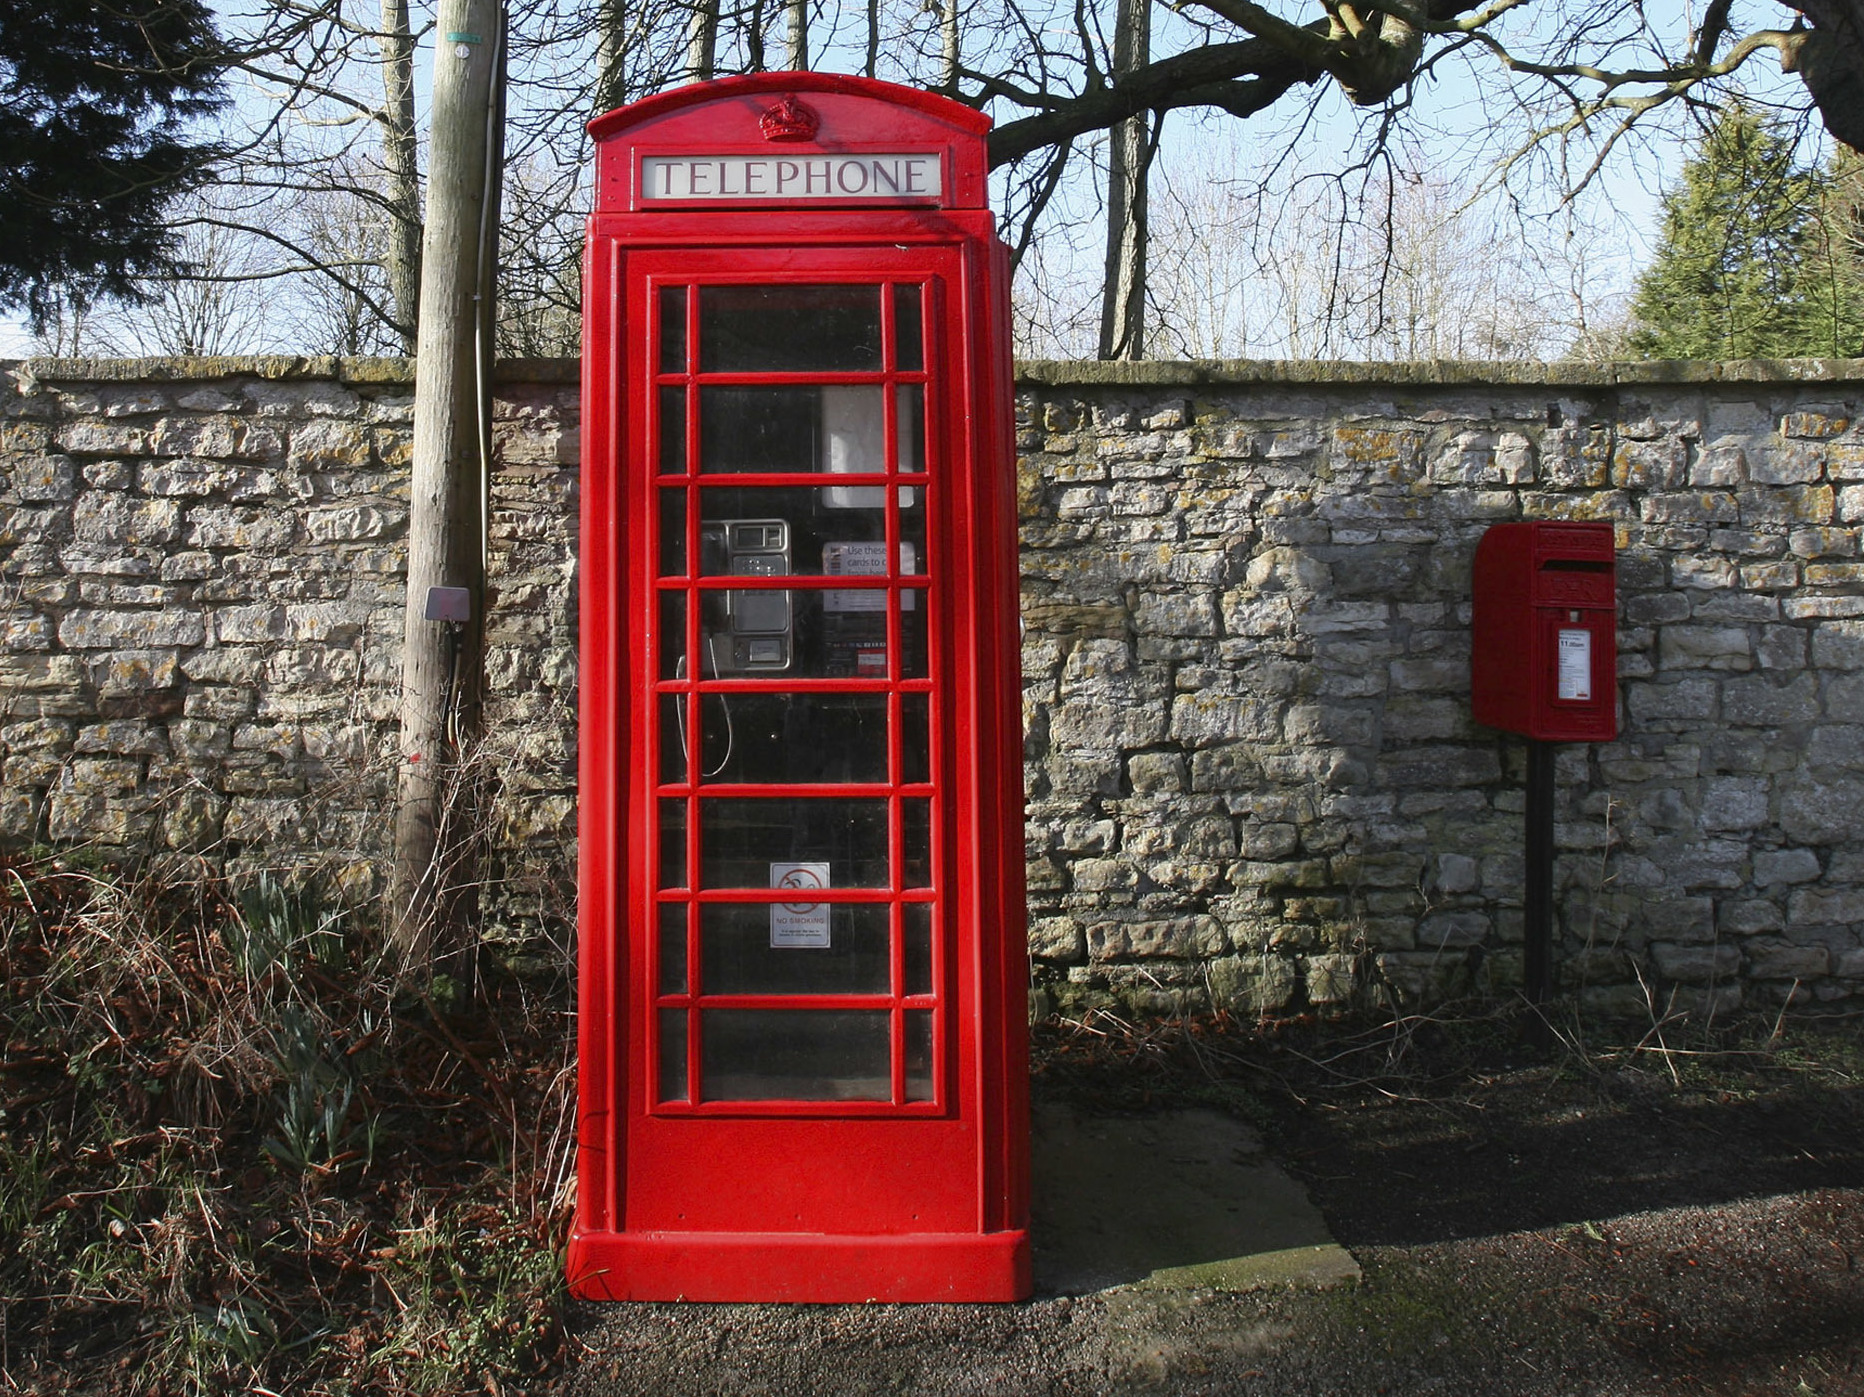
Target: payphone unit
803 957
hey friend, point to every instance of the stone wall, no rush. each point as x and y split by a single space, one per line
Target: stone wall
1253 779
203 566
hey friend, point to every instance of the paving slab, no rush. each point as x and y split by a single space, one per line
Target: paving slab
1179 1200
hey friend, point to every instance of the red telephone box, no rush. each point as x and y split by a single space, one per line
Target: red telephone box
1544 656
803 956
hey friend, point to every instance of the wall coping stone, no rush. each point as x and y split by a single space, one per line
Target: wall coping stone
1431 373
1050 373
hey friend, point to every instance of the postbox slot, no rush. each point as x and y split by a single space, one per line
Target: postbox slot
1574 582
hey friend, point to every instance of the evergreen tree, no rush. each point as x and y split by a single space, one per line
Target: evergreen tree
96 102
1730 277
1834 291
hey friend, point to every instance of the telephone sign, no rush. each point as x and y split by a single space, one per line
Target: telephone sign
803 963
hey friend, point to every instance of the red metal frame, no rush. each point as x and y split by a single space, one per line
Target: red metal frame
819 1200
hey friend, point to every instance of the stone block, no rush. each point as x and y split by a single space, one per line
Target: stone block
1826 907
1268 841
131 630
200 479
1707 571
1694 964
1705 647
248 625
1838 645
1650 465
1749 916
1768 959
1735 803
1687 700
1819 811
1157 772
1453 929
42 479
1815 422
1440 768
1329 979
1057 938
1791 463
105 517
1260 984
1179 938
1773 867
1682 919
236 527
192 819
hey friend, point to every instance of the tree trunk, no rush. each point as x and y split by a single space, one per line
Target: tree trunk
948 21
796 50
611 89
446 522
401 253
702 40
1123 296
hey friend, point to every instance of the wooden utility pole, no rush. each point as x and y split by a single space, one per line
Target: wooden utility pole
452 434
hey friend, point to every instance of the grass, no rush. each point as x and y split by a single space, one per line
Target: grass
234 1159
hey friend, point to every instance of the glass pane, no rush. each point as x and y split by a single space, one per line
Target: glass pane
908 332
915 739
919 1055
673 948
833 633
789 329
794 738
916 823
672 635
673 739
759 429
742 839
854 442
673 532
806 529
796 1055
673 329
838 429
916 918
673 843
673 431
909 404
673 1055
800 948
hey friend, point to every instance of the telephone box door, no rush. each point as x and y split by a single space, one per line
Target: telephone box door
807 1096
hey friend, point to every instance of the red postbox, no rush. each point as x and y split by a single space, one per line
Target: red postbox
803 955
1544 661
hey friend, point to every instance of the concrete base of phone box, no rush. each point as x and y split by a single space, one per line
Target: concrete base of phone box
797 1268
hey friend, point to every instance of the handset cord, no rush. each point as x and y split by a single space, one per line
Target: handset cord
679 713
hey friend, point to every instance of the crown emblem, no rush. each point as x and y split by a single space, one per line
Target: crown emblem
789 120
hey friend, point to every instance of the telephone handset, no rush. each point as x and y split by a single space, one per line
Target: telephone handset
745 632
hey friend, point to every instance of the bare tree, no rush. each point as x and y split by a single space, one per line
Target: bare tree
1129 157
